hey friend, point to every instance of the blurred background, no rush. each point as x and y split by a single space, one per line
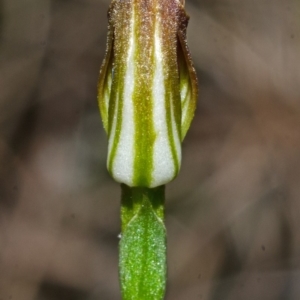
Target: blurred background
233 213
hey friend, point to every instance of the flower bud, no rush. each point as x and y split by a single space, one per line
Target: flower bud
147 90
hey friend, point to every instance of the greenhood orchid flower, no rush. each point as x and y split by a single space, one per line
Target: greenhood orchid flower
147 90
147 96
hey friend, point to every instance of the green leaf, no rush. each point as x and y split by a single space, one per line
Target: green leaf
143 244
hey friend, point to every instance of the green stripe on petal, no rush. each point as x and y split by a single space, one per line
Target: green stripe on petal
142 97
120 13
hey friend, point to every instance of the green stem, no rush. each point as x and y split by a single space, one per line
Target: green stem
143 244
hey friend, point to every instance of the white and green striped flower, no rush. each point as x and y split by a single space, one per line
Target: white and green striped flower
147 90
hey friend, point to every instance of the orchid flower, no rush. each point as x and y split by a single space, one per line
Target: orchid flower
147 95
147 90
